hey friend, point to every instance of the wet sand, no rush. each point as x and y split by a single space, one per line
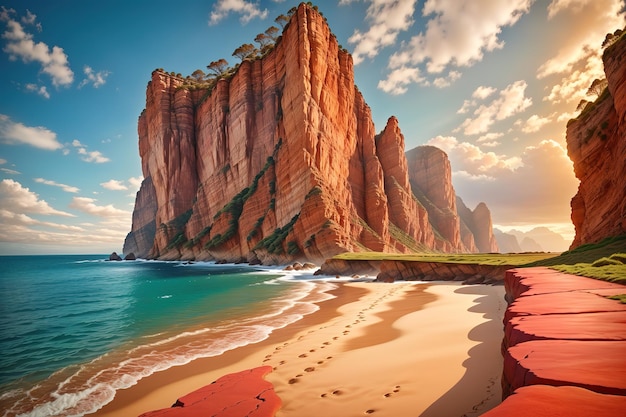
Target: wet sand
376 349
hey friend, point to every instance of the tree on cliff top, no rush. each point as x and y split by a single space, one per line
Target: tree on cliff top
246 50
218 67
272 32
597 87
282 20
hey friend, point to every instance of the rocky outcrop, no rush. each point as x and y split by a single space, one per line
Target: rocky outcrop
479 224
561 330
276 162
431 181
548 401
596 143
115 257
244 394
507 243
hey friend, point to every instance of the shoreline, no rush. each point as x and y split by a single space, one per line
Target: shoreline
389 349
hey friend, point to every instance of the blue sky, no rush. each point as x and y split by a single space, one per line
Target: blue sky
493 83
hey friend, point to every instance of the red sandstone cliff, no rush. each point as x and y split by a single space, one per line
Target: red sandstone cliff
431 181
596 143
276 162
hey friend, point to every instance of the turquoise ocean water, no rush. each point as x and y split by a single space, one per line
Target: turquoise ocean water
75 328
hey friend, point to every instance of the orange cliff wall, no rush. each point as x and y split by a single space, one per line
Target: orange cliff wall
596 143
278 162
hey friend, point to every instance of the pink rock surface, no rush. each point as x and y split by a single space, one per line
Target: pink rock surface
583 326
599 366
561 330
573 302
540 280
547 401
242 394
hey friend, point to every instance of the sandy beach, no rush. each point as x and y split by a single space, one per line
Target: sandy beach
399 349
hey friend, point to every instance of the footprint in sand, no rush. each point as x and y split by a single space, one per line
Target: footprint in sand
395 391
282 362
312 350
309 369
293 381
337 392
326 343
304 355
370 411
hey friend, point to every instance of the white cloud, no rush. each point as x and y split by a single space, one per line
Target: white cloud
483 92
41 90
537 190
18 199
10 171
95 78
573 86
592 20
89 156
510 101
442 82
20 45
386 19
114 185
135 182
534 123
19 219
89 206
248 11
465 156
398 80
458 34
489 137
13 133
64 187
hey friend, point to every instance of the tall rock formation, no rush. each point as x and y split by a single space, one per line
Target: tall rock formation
596 143
479 224
276 161
431 180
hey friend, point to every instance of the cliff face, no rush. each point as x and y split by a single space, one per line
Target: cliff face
461 229
596 143
277 162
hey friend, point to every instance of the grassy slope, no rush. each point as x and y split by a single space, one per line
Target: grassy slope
513 259
603 260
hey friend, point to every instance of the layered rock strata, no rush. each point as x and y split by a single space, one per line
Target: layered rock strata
562 331
471 230
242 394
277 162
596 143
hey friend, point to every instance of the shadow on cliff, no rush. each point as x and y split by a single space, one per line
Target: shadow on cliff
479 387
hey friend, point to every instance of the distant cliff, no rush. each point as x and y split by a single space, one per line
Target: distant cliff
596 143
280 161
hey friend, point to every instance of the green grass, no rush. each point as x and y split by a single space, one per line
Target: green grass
588 253
495 259
612 273
619 297
605 260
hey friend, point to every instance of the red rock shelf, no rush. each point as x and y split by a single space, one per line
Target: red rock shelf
242 394
564 346
547 401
